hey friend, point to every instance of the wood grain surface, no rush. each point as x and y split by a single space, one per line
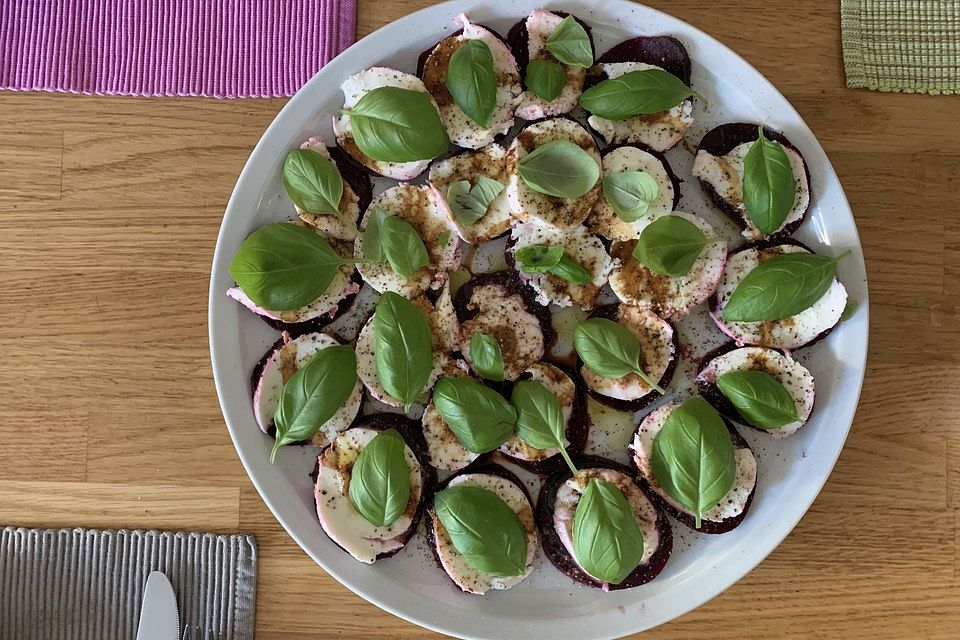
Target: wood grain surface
109 209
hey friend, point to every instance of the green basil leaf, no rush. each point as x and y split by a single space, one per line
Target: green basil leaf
630 193
781 286
403 347
849 310
471 81
486 357
312 182
559 168
545 78
313 394
607 541
635 93
769 188
693 457
759 397
610 350
380 479
570 44
571 271
670 245
469 204
370 236
479 416
540 418
402 246
283 266
391 124
443 238
483 529
538 258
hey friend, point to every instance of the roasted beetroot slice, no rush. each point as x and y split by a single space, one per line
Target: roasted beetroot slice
686 518
720 141
316 324
558 554
355 175
518 39
665 52
663 160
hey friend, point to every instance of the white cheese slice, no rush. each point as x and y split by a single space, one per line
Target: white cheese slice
540 25
344 228
560 385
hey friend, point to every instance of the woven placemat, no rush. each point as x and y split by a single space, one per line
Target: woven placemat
85 584
902 45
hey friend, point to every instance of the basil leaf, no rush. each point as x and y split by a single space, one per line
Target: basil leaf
469 204
670 245
769 188
479 416
380 479
538 258
849 310
607 541
570 44
402 246
471 81
630 193
313 394
391 124
540 418
559 168
610 350
443 238
312 182
571 271
759 397
403 348
781 286
370 236
486 357
545 78
693 457
283 266
483 529
635 93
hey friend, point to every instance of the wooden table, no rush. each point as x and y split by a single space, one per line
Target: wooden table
109 209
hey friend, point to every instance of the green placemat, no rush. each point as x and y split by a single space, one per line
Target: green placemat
902 45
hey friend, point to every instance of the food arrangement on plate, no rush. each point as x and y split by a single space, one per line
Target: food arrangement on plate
553 156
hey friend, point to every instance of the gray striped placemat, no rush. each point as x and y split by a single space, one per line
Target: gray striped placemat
86 584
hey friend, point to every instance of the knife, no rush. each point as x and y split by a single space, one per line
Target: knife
159 619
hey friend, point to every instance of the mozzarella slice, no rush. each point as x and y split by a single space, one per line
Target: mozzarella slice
579 245
540 25
659 131
670 297
527 204
460 571
463 131
329 226
731 505
604 221
354 88
279 365
428 215
560 385
725 175
789 333
344 524
490 161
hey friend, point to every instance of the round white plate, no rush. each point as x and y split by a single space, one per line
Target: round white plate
549 605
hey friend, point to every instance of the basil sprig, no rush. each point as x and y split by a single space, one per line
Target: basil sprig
559 168
471 81
313 182
670 245
486 356
570 44
610 350
313 394
635 93
403 347
380 479
630 193
283 266
769 188
540 418
781 286
759 397
607 541
545 78
538 258
693 457
391 124
483 529
469 204
402 246
479 416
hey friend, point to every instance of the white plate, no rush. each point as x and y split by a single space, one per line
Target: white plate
549 605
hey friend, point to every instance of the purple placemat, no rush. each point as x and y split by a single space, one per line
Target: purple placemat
214 48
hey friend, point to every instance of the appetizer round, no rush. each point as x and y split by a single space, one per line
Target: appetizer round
357 194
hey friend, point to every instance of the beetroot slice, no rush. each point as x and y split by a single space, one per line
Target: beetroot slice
665 52
316 324
518 39
557 553
677 182
354 175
